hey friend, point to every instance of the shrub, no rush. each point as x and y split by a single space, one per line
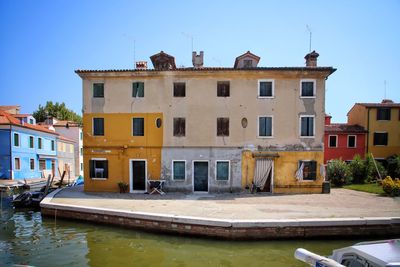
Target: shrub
393 166
370 169
357 170
391 187
338 172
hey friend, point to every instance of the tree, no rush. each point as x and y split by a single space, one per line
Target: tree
58 111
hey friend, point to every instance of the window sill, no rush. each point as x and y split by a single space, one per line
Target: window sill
222 180
308 137
265 97
308 96
265 137
99 179
179 180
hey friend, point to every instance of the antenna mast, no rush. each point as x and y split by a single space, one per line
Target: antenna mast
384 84
309 30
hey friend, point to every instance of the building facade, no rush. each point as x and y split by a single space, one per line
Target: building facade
205 129
66 157
382 122
73 131
25 149
343 141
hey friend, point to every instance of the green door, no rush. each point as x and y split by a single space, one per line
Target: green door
200 176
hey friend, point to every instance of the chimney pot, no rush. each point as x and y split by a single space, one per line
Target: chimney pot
311 59
198 60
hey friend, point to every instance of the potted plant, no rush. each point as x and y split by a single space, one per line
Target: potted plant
123 187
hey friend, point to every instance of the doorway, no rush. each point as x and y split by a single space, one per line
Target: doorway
263 175
138 174
200 176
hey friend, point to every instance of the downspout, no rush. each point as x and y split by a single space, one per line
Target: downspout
11 159
368 129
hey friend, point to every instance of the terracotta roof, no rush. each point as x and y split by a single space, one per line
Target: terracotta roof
64 123
21 115
344 128
247 54
380 105
8 119
330 69
8 107
63 138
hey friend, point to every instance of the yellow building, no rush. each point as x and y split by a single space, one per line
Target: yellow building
205 129
382 121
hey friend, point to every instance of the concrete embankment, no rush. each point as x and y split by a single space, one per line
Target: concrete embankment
343 213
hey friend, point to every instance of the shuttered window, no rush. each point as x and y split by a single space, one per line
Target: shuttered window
307 126
179 127
98 90
307 89
179 89
265 126
98 126
223 89
222 126
138 126
222 170
179 170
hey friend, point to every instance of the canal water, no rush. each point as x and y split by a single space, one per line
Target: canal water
27 238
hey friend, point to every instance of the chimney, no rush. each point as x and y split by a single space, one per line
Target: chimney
141 65
311 59
328 119
387 101
198 60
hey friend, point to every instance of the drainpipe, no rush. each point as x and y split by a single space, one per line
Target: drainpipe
368 129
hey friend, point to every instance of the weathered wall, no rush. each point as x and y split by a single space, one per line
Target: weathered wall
202 154
73 133
285 167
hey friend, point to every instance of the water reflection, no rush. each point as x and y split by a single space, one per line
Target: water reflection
27 238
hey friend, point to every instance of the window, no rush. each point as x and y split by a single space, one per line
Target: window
265 126
98 90
178 170
81 151
81 135
223 89
266 89
309 169
222 170
222 126
380 139
307 88
98 168
31 142
32 164
52 145
30 121
383 114
179 127
81 166
138 89
40 143
17 163
158 122
179 89
42 164
138 126
306 126
16 139
247 63
98 126
351 141
333 141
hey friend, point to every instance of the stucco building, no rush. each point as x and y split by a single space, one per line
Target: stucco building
382 122
205 129
343 141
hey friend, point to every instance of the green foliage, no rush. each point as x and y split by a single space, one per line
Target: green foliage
391 187
357 170
393 166
58 111
338 172
370 169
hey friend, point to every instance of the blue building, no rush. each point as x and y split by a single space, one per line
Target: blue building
26 150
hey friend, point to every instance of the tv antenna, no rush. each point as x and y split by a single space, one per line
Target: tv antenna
309 30
191 39
384 86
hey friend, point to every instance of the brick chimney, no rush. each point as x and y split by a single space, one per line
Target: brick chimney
198 60
328 119
311 59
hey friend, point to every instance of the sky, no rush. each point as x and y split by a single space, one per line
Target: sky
42 43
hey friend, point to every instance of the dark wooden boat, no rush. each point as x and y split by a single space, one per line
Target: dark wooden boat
28 199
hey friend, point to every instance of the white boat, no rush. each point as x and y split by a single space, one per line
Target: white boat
364 254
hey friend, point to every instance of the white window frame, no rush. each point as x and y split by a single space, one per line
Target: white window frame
99 179
172 168
273 88
29 142
314 88
19 139
34 164
355 140
329 141
20 163
229 170
272 127
307 116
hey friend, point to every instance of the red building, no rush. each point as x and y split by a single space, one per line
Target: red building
343 141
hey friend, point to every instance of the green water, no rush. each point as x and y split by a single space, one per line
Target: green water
30 239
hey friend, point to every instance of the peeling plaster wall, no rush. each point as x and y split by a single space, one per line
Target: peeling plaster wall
202 154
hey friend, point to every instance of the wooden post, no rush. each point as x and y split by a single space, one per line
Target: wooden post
376 167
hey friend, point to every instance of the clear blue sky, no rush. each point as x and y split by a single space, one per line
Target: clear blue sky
43 42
